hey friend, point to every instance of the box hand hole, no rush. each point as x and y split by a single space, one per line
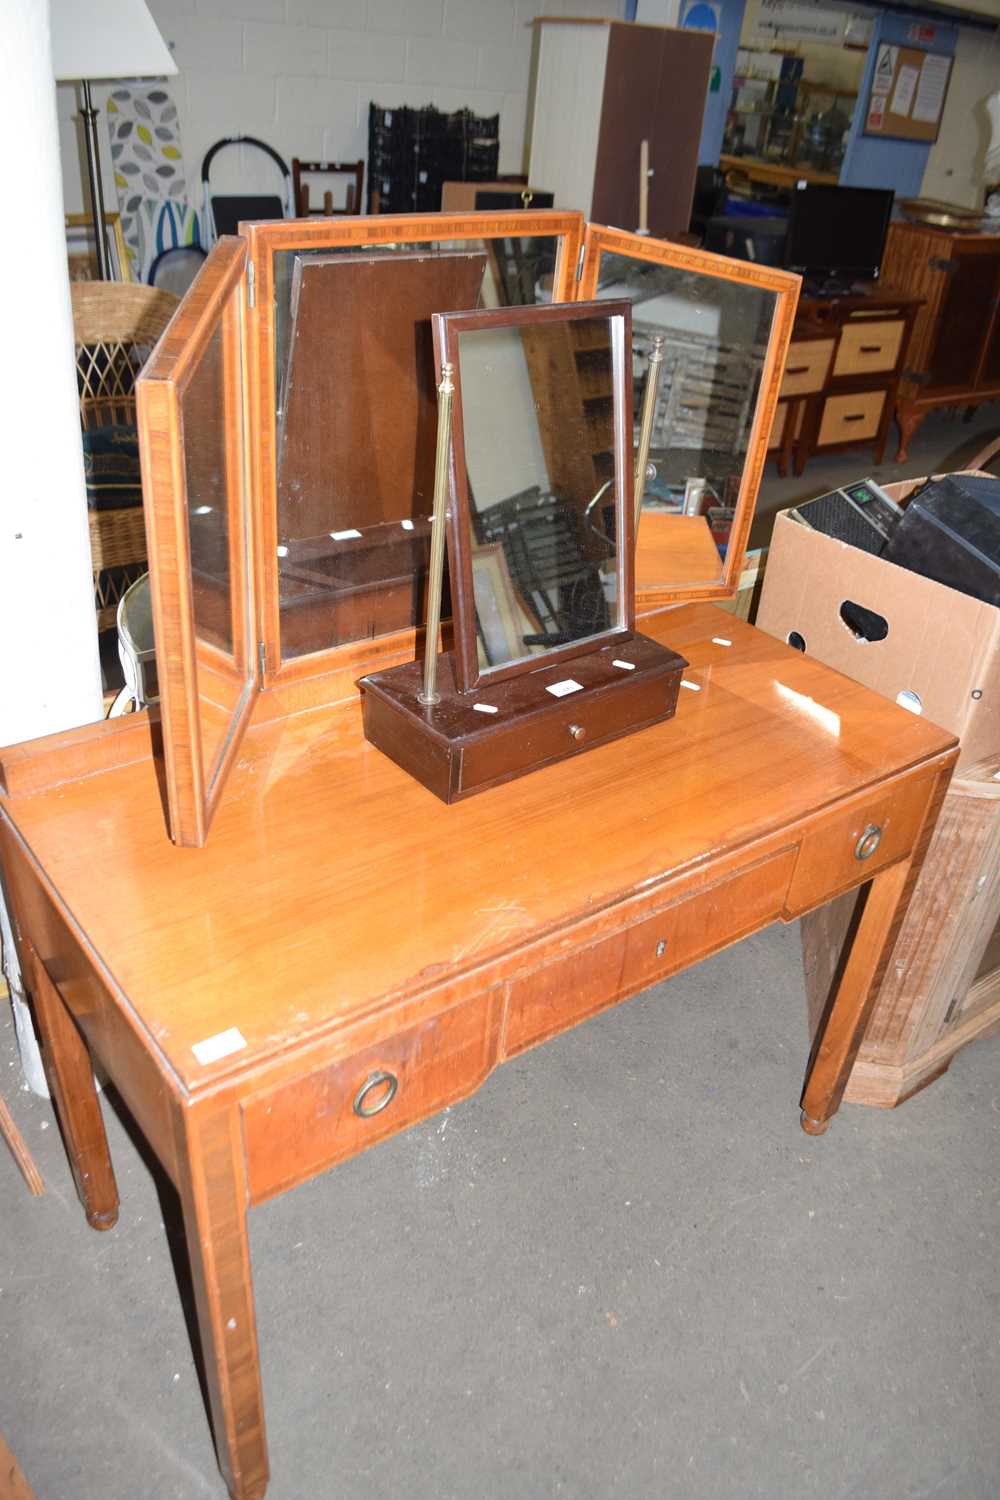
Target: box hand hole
864 624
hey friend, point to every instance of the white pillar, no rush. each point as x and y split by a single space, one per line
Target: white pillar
49 669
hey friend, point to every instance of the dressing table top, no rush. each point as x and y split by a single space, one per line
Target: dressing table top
334 884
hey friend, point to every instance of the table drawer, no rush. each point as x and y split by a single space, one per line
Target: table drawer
562 993
302 1127
868 347
850 845
806 367
850 419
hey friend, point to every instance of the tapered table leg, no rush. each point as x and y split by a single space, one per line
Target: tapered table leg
70 1074
843 1028
213 1191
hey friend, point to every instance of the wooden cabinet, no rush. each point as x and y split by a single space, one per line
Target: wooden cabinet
601 89
954 355
843 368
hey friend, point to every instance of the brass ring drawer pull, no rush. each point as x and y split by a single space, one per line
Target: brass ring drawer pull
868 842
388 1081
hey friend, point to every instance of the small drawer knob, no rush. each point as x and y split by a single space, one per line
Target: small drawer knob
578 732
366 1106
868 842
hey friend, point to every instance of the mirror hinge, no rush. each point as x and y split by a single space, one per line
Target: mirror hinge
579 262
262 659
251 284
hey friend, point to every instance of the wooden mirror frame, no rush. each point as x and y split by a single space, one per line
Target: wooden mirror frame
598 241
216 301
448 329
265 240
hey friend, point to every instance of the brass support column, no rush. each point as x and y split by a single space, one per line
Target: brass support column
446 391
646 424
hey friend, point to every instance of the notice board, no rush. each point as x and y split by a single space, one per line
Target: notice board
909 87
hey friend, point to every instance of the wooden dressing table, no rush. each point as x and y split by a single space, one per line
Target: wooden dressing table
317 926
346 954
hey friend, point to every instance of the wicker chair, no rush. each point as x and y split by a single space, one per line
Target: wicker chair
115 325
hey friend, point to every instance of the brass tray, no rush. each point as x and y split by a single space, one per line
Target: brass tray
942 215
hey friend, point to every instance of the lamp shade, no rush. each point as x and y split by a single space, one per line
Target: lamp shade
107 39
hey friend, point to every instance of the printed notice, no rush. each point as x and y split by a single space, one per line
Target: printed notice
902 94
931 88
885 67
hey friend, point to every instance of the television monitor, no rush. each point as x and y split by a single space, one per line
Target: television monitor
836 235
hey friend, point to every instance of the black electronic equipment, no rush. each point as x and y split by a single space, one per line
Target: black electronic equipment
836 235
950 532
860 514
748 237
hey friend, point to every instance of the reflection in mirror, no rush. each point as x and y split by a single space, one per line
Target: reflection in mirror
716 335
356 418
211 412
518 271
357 427
538 425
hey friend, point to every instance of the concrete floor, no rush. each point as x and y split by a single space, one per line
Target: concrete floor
620 1269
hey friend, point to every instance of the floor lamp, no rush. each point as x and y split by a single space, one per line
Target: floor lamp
104 39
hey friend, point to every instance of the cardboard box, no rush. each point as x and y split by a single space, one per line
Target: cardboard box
940 654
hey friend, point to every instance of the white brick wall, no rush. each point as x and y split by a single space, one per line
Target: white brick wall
300 74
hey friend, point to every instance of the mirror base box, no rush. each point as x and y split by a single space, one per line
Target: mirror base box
468 742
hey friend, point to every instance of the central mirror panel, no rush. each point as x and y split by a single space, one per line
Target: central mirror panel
355 421
541 437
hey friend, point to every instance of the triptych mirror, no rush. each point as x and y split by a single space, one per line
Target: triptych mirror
290 428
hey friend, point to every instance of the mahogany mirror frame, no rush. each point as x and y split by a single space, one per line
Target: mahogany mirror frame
600 240
264 241
448 329
216 301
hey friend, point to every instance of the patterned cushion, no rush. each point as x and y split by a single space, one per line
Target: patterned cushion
111 468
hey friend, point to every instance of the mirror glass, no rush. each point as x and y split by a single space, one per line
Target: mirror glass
536 472
356 421
715 336
211 413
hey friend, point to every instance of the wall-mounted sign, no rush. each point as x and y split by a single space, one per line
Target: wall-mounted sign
793 20
922 34
907 93
700 15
